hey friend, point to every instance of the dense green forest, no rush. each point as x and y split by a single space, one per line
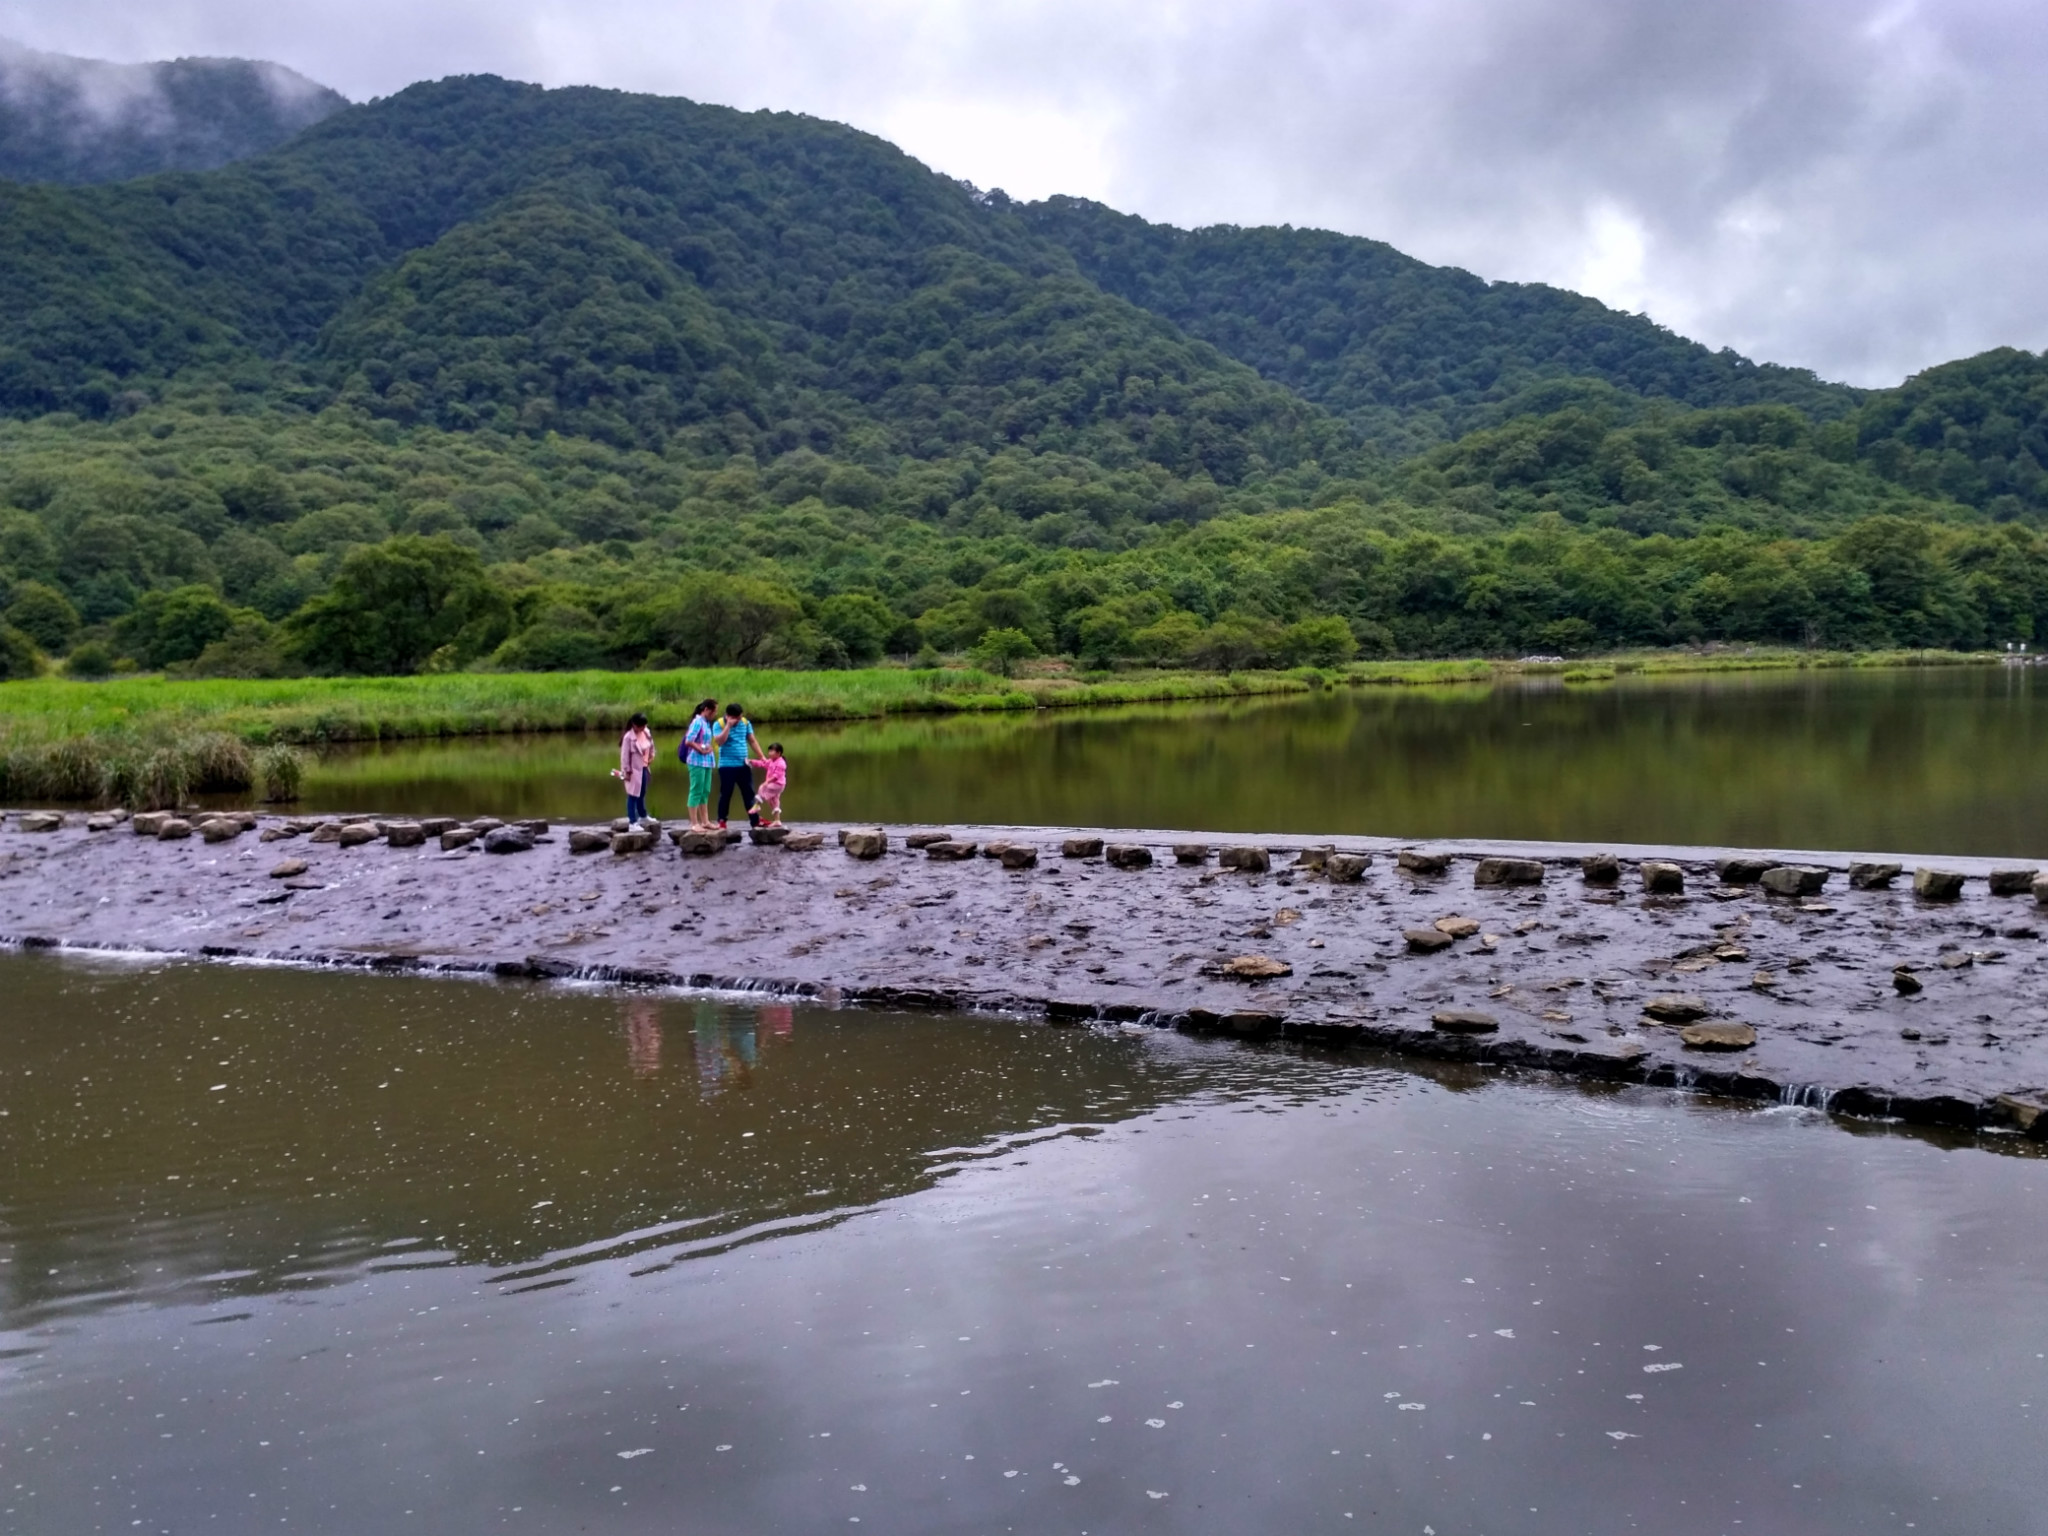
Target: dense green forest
1409 354
85 120
488 376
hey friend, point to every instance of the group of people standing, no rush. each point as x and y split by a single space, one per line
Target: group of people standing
719 751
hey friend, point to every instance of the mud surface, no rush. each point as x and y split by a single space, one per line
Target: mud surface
1563 975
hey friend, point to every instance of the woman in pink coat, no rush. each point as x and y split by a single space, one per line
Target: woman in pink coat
636 762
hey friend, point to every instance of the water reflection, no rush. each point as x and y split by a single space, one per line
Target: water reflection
351 1253
229 1131
1936 760
643 1037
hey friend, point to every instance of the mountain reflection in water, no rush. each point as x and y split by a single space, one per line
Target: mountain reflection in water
342 1253
179 1131
1928 759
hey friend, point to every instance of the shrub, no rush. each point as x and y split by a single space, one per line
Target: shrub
70 770
395 604
1172 639
18 656
221 763
280 769
44 614
91 659
1324 642
999 650
860 623
1568 637
1233 643
176 626
715 620
252 648
560 639
159 780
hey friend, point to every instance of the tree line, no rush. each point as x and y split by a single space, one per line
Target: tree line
574 558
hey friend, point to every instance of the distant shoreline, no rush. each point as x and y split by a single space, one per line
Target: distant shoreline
43 713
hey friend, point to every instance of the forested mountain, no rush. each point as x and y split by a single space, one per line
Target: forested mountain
478 253
590 378
1975 430
77 120
1408 353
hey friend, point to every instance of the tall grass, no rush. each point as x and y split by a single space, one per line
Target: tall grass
151 773
318 711
281 769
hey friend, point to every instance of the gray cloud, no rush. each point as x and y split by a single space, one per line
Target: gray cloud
1851 185
79 95
90 95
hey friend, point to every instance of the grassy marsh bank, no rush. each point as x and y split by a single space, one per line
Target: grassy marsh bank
151 740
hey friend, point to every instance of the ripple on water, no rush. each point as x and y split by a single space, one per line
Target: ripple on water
991 1272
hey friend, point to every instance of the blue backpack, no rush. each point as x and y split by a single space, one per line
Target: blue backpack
683 746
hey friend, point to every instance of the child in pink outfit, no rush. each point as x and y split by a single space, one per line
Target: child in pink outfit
769 801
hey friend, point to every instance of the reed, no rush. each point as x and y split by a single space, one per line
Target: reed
141 772
280 769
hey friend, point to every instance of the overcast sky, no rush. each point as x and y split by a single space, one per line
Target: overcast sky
1855 186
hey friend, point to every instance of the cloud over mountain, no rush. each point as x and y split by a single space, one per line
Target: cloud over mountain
72 119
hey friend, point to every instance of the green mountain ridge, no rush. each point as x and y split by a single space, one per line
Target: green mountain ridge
619 359
1410 354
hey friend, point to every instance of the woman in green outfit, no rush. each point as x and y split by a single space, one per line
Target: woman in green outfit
700 755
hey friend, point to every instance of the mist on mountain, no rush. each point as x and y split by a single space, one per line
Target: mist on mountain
73 120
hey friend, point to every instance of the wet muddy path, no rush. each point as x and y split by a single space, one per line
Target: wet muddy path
1877 1000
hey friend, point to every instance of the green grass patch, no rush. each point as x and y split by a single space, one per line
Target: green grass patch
152 740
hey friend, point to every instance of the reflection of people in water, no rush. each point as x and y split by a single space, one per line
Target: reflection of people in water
643 1037
725 1054
727 1043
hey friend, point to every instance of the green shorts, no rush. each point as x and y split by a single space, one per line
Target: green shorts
702 782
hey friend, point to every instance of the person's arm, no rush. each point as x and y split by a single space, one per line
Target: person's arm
754 752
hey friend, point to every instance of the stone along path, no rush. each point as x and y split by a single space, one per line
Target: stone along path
1876 990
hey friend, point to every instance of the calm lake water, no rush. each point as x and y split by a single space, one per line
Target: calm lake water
1937 760
282 1250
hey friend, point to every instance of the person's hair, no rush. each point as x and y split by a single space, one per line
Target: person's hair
704 704
734 711
774 746
637 721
